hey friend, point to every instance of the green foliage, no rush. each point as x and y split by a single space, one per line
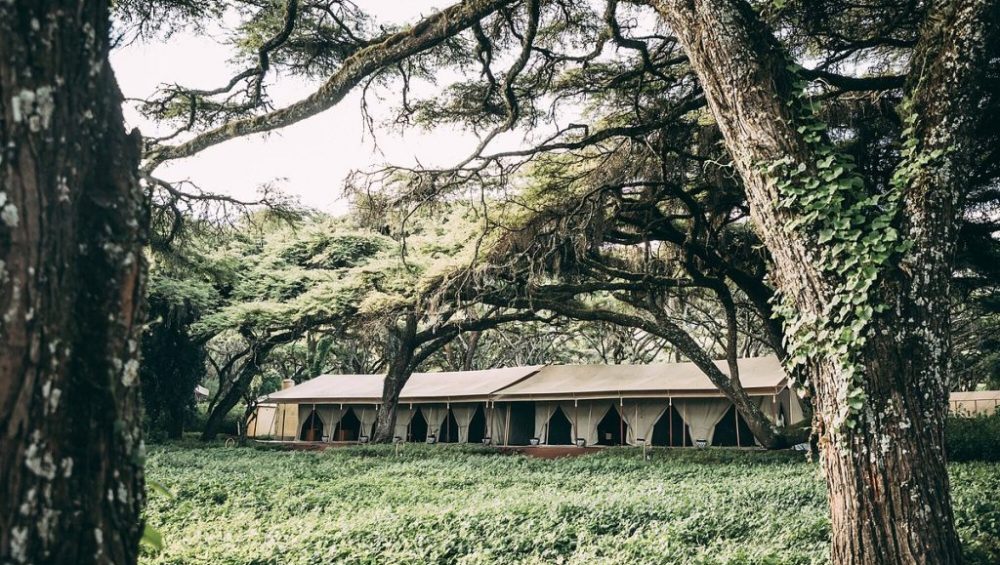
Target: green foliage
173 362
852 227
973 438
454 504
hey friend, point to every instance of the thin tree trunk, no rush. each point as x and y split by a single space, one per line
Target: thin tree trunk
228 400
881 430
470 354
71 292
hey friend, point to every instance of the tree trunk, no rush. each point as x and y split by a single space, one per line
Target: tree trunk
880 399
72 273
232 397
228 399
402 346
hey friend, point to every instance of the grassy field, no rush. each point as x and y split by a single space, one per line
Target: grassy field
448 504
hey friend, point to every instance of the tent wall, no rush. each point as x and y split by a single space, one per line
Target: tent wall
463 417
403 418
367 415
286 421
983 402
263 423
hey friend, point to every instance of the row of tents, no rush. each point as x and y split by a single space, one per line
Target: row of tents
669 404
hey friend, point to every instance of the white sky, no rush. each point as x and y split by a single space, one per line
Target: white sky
309 159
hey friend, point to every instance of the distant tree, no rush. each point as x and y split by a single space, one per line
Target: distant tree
173 364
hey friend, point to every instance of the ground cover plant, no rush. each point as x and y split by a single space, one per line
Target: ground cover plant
453 504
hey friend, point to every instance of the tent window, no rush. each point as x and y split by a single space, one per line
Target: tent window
611 428
560 430
522 422
670 430
312 428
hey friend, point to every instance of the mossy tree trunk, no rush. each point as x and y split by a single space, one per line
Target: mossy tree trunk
71 292
867 317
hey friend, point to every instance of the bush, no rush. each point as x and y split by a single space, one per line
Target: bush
974 438
472 505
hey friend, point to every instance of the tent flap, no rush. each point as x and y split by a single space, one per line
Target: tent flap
463 415
434 415
641 416
701 415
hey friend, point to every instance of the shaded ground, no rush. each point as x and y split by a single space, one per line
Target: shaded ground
454 504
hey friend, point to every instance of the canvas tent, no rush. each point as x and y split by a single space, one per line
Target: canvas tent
640 396
666 403
436 399
974 403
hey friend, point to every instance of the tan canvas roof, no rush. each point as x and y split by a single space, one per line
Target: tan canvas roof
463 386
479 385
974 402
760 375
975 395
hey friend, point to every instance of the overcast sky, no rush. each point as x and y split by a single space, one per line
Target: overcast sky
312 157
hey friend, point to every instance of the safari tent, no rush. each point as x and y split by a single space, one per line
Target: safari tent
671 404
974 403
445 406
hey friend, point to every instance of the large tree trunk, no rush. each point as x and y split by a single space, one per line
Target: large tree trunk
71 291
881 425
401 349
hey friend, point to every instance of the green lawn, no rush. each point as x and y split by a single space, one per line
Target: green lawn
448 504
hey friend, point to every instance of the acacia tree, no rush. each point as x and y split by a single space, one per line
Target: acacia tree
864 278
860 253
71 285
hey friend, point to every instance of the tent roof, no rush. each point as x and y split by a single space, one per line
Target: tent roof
759 375
975 395
467 386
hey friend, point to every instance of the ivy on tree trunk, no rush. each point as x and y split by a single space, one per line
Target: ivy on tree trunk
877 365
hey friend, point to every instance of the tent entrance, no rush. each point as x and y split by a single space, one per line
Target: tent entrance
347 429
418 427
312 428
449 430
612 430
670 430
477 426
733 431
560 430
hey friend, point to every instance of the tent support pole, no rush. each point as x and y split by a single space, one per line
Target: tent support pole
737 420
576 420
506 431
670 413
621 422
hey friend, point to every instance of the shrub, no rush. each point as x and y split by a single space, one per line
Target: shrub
472 505
974 438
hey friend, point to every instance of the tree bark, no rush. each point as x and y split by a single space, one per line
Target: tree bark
247 371
71 292
886 474
402 346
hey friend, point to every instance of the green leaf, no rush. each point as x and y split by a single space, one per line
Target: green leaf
151 538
